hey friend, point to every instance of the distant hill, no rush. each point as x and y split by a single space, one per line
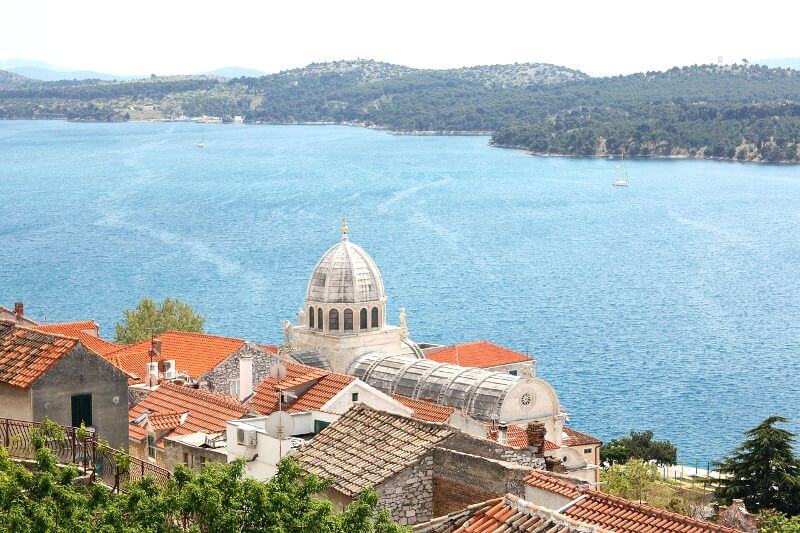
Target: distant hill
11 80
236 72
749 113
40 71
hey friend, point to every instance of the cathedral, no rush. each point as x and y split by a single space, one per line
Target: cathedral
342 327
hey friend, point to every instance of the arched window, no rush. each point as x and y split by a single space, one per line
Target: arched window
375 324
319 319
333 320
311 317
364 318
348 320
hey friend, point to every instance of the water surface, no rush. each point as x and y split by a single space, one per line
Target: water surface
672 304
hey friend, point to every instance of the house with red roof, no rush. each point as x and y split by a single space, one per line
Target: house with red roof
179 424
58 377
483 354
224 365
580 501
312 398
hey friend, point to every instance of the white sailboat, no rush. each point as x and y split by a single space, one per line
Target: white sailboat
619 181
202 142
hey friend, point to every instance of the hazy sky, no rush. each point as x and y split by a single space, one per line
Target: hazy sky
599 37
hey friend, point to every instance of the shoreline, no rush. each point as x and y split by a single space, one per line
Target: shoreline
426 133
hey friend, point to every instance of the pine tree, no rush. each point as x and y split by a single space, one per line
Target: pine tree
764 470
149 319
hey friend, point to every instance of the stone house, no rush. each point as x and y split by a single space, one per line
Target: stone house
212 362
179 424
48 375
419 469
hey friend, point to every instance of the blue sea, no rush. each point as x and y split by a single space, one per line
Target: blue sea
673 304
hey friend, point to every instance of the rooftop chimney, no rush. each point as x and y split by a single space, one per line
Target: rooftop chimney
19 309
245 376
536 433
502 434
155 348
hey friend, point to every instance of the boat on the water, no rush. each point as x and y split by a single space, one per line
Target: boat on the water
202 142
620 181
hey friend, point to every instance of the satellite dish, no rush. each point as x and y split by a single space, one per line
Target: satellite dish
279 425
278 371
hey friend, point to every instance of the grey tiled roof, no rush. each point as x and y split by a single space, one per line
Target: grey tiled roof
366 447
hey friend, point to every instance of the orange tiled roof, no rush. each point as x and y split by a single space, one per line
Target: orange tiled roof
207 412
26 354
424 410
552 483
322 387
196 353
576 438
480 354
624 516
82 331
515 436
165 421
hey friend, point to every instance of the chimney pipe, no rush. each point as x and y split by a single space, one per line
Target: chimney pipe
245 376
19 309
536 432
502 434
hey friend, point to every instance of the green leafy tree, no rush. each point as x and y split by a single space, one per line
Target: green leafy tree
633 480
149 319
775 522
639 445
764 470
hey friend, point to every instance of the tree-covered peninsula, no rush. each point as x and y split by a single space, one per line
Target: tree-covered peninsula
741 112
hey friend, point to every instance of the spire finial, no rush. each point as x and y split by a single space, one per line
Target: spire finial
344 226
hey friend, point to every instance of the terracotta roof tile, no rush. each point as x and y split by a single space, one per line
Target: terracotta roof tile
480 354
364 447
425 410
509 513
85 331
195 353
166 420
315 388
207 412
26 354
553 483
576 438
624 515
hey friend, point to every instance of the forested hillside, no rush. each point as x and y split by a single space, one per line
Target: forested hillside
733 112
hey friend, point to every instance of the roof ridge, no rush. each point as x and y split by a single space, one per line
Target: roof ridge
198 334
205 395
38 331
431 425
648 509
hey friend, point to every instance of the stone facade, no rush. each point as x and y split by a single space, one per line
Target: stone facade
409 495
176 452
464 443
461 479
219 379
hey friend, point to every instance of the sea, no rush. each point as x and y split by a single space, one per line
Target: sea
672 304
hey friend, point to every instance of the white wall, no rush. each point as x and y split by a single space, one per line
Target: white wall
368 395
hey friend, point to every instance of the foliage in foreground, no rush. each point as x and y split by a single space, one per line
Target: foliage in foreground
775 522
638 445
640 481
218 499
764 470
149 319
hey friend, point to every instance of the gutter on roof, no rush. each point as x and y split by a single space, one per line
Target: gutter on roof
573 502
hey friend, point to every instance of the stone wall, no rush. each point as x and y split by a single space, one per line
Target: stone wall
219 379
486 448
174 455
461 479
408 496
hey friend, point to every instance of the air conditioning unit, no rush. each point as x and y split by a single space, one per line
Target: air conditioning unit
246 437
170 370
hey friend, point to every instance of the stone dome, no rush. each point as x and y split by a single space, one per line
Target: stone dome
345 274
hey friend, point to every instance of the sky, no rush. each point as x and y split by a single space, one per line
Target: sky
600 37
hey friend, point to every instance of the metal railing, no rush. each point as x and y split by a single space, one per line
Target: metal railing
101 462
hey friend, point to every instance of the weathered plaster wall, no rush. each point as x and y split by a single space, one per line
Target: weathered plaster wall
15 402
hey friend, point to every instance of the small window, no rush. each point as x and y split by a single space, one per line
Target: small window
311 317
375 324
333 320
233 387
151 446
587 450
201 460
82 410
319 425
355 396
319 318
186 459
348 320
363 320
512 372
